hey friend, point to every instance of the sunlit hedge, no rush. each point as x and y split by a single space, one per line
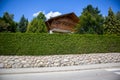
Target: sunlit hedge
54 44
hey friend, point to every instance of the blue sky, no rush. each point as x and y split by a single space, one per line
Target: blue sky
30 7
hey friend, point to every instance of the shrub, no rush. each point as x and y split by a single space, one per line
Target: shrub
54 44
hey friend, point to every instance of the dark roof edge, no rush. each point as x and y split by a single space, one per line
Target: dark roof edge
62 16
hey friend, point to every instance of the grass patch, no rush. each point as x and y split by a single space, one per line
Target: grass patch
55 44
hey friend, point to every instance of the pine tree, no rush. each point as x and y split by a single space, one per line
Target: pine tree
90 21
37 25
22 25
7 24
118 15
111 25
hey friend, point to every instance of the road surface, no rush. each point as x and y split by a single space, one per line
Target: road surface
94 74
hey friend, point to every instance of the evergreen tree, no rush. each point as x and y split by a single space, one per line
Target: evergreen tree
7 24
112 24
3 25
90 21
118 15
37 25
22 25
41 16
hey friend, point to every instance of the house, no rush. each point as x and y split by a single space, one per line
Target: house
63 23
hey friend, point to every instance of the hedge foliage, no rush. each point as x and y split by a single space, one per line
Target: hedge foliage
54 44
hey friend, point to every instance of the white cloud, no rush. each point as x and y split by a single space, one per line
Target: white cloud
48 15
36 14
52 14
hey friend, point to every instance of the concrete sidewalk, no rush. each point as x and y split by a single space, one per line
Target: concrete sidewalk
58 69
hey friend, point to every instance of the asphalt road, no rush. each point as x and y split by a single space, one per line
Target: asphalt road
94 74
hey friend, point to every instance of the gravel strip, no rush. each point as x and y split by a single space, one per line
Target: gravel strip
57 60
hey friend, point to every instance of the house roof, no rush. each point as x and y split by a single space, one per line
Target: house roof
71 15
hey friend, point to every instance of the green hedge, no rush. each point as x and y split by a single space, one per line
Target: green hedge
54 44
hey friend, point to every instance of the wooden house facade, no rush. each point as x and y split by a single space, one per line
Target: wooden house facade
63 23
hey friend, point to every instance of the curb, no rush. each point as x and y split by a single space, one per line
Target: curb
58 69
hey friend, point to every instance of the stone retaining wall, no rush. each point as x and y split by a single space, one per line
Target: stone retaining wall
57 60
